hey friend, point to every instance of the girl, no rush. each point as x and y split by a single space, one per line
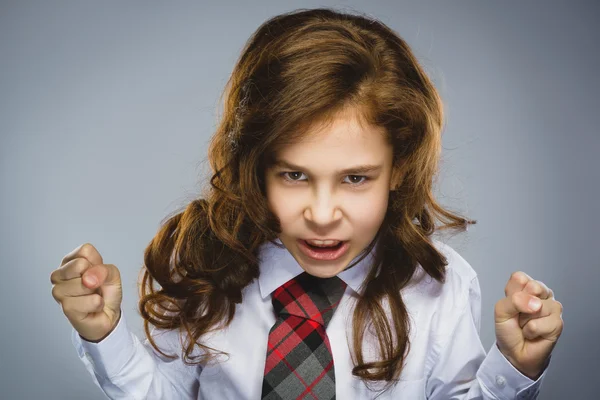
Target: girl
307 270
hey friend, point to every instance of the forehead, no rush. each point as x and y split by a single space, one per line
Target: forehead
345 139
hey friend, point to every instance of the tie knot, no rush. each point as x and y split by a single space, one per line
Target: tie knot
309 297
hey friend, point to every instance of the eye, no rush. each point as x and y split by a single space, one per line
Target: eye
285 174
363 179
366 178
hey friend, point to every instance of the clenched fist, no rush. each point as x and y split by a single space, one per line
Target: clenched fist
89 291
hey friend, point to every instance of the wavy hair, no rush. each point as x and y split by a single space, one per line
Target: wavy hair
304 66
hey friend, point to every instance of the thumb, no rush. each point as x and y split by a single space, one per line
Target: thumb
511 306
101 275
107 284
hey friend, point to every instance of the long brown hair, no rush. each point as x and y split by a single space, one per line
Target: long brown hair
297 68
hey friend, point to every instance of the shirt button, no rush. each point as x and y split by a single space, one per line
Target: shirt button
500 381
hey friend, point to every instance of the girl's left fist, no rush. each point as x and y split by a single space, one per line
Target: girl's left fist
527 333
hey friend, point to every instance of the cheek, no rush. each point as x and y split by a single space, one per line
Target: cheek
279 203
369 212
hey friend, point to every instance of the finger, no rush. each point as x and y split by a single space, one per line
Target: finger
538 289
70 288
70 270
549 306
105 274
517 282
80 307
508 307
87 251
549 327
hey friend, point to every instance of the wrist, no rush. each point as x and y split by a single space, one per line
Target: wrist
107 334
532 373
535 374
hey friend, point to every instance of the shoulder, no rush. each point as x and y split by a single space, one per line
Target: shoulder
453 294
457 265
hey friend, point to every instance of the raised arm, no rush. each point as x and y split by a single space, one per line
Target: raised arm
463 371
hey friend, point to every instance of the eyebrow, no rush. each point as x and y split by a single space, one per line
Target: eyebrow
357 169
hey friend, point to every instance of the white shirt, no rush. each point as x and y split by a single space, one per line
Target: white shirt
446 360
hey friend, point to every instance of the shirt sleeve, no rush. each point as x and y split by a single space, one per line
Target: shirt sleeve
124 368
463 371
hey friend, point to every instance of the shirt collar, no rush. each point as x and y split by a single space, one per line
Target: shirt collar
277 266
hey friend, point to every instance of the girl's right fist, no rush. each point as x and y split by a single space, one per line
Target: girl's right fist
89 292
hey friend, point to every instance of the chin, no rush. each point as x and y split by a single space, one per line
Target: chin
321 272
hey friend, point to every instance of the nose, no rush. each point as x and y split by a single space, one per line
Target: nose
323 210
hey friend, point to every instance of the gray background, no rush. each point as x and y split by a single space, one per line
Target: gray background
106 109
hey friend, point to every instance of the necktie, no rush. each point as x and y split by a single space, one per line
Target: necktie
299 362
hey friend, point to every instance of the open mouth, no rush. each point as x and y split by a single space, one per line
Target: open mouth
324 248
324 253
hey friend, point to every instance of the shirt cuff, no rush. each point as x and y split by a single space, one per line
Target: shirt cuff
504 380
109 356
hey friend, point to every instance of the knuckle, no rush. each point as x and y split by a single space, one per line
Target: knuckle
96 300
67 306
64 260
497 307
115 270
56 293
558 328
535 286
80 265
560 306
53 277
519 277
86 249
542 285
531 326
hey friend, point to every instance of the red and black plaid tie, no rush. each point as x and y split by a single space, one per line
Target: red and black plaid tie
299 362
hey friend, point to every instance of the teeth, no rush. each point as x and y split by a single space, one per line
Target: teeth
323 243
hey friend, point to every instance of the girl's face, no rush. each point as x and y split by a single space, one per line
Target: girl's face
318 192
